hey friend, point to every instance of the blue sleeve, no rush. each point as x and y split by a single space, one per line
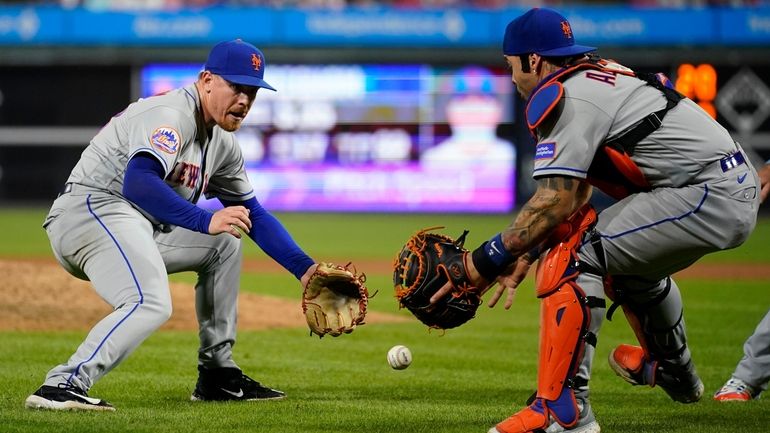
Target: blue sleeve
143 185
273 238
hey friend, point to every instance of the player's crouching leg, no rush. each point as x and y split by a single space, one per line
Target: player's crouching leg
118 335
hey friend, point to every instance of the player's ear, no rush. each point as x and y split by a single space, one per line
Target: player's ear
206 78
535 63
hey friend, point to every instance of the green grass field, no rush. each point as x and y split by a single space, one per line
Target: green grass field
465 380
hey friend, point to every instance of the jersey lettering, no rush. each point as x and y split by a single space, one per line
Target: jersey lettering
600 76
185 174
545 150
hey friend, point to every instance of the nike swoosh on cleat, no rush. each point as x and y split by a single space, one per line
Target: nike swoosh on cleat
86 399
742 177
238 394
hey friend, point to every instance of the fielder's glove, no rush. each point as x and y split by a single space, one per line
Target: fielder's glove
422 267
335 300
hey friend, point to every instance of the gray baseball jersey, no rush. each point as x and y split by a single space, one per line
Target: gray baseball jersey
704 198
599 106
96 234
168 127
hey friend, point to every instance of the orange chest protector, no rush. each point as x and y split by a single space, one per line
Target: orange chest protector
612 169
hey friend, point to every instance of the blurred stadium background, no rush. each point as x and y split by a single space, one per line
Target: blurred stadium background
368 90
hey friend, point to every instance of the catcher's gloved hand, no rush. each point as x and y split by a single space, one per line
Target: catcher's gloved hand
422 267
335 300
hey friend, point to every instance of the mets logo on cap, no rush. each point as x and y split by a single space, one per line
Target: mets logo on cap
544 32
166 139
256 61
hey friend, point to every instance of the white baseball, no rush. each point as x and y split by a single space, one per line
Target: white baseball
399 357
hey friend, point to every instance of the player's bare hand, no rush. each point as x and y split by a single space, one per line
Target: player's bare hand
306 277
509 281
440 293
230 220
764 180
473 275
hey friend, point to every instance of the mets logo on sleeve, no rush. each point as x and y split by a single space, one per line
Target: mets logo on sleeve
545 150
166 139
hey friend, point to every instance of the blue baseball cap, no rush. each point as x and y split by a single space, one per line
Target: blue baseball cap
238 62
541 31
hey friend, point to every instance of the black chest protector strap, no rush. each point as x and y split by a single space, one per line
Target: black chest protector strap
628 141
612 170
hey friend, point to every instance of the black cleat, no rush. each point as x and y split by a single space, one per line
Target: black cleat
65 397
230 384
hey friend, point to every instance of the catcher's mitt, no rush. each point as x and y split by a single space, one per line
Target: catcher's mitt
335 300
422 267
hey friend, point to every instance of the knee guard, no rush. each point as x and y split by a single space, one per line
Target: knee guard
655 313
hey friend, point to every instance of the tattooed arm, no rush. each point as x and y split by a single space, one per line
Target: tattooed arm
555 199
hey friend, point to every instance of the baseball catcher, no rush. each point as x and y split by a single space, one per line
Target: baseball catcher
335 300
422 267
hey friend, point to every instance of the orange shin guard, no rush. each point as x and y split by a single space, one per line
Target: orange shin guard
563 321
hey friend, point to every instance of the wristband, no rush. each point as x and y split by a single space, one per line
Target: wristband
491 258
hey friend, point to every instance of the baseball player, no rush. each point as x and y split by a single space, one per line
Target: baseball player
125 219
683 190
752 374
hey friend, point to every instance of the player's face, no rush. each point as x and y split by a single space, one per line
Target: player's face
524 81
228 103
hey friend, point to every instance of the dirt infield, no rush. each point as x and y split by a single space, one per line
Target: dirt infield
40 295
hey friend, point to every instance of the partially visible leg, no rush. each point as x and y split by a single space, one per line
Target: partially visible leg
752 373
754 368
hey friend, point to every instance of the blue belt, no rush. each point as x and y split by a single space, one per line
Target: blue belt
729 162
